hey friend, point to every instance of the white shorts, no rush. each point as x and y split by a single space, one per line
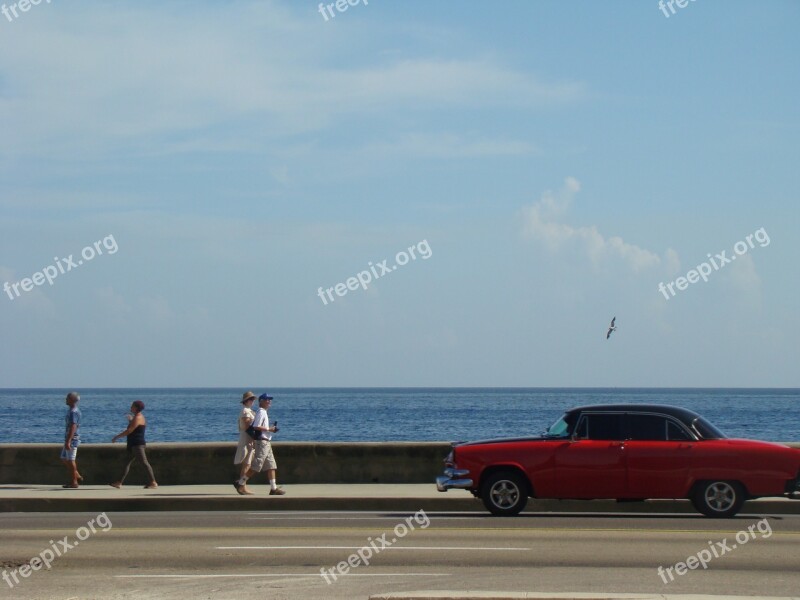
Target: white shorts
70 455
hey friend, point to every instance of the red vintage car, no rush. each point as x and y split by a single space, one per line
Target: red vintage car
627 452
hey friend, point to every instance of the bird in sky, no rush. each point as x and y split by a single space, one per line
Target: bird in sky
611 328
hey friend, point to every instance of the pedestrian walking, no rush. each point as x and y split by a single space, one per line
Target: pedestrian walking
246 446
72 439
136 445
263 459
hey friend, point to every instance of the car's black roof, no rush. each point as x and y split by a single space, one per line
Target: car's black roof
684 415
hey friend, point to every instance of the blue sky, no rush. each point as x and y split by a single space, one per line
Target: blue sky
561 159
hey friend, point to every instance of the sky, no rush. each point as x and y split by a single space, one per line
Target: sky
550 163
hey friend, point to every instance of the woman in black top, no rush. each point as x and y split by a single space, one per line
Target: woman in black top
136 445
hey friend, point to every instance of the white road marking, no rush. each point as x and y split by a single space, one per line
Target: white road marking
386 513
325 518
300 575
315 512
389 515
359 547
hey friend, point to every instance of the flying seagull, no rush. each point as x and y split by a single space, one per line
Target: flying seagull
611 328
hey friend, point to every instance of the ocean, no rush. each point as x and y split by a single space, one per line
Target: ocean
378 414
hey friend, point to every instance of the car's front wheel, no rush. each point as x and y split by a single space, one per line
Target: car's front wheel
721 499
505 493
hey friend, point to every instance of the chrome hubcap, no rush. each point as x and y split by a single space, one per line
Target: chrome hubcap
720 496
504 494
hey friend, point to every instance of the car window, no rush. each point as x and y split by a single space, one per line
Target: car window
581 431
706 430
655 428
602 427
561 427
557 429
647 427
678 433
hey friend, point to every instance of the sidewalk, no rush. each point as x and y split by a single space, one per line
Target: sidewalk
444 595
320 497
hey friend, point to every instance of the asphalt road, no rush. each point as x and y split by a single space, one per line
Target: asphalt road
279 555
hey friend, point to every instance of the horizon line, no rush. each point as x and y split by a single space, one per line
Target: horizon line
4 389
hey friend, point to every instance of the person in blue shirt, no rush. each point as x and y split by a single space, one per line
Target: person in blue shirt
72 440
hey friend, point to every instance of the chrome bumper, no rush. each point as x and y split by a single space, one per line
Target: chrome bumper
453 478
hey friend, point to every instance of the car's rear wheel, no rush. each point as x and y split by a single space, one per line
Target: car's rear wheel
717 498
505 493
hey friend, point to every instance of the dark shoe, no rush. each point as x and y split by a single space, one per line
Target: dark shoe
277 492
151 486
116 484
238 487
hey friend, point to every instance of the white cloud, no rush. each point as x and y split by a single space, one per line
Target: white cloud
280 174
157 308
35 301
449 145
252 72
743 278
543 221
111 302
672 262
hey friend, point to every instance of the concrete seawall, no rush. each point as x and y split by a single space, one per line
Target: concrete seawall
212 463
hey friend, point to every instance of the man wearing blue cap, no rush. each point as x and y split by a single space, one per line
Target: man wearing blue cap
263 459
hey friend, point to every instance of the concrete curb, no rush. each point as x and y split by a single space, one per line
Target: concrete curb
163 501
236 503
449 595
